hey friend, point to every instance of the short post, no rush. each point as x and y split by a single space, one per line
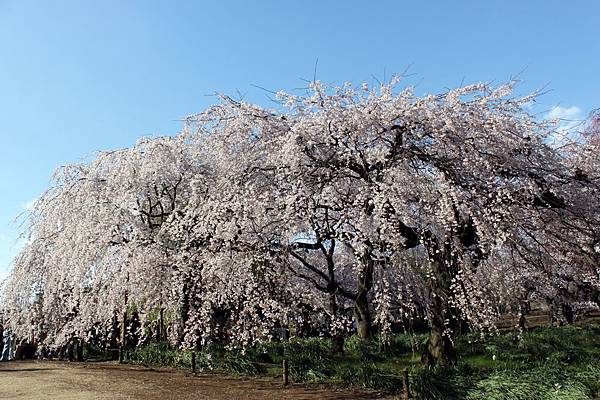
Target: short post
193 362
405 388
286 372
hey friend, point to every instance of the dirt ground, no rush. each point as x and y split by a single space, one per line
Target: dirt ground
83 381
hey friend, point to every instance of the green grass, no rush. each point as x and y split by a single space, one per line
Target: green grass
542 364
160 354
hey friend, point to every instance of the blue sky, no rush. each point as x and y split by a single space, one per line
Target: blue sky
81 76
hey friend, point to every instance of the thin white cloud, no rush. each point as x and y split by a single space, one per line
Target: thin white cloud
567 120
565 113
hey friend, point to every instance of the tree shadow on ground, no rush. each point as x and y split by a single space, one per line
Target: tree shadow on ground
27 369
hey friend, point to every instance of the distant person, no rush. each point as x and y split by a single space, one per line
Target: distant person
1 342
7 349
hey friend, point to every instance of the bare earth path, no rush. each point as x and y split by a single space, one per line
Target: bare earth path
84 381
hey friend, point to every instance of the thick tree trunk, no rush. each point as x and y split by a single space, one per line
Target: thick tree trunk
362 316
439 348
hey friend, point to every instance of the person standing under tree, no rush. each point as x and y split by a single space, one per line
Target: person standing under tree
1 340
7 351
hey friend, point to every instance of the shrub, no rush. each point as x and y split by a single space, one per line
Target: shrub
379 349
368 375
237 363
308 358
161 354
368 350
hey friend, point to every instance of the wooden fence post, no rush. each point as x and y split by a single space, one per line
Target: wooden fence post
405 388
286 372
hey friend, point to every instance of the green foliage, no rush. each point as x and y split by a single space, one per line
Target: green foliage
215 358
309 359
377 349
543 383
441 383
369 375
542 364
589 375
569 344
161 354
402 344
366 350
237 363
512 385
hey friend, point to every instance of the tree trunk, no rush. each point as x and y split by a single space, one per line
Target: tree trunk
184 311
524 309
439 348
80 345
160 326
337 341
568 313
362 316
124 329
115 333
361 305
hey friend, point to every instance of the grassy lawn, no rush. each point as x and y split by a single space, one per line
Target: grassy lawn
544 363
